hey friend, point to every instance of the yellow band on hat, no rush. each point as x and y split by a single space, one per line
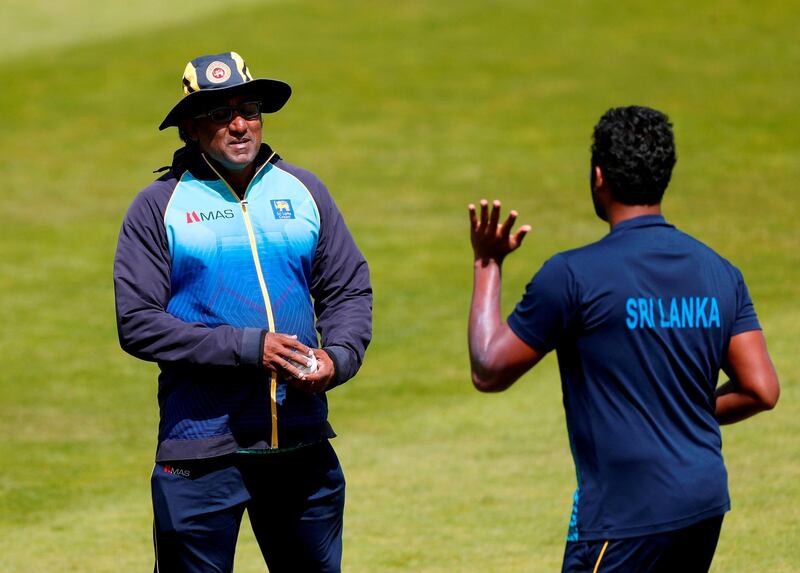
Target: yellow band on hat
190 80
241 67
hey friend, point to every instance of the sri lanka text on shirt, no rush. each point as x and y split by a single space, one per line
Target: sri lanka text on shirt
679 312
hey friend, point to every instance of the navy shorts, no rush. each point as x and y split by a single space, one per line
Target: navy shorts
687 550
295 501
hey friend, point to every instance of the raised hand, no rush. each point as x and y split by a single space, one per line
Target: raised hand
492 240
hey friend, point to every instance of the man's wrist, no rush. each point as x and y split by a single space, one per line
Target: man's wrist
483 262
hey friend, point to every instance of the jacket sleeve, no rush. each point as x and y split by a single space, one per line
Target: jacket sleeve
142 290
340 287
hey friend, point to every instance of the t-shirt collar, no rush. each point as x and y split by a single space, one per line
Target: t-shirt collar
641 221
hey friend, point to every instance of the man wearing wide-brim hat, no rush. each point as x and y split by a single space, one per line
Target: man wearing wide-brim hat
236 273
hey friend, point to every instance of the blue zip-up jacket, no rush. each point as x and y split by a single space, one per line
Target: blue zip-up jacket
201 276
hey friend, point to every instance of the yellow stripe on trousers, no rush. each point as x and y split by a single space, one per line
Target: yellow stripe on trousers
600 557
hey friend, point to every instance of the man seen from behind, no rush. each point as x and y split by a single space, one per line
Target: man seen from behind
642 322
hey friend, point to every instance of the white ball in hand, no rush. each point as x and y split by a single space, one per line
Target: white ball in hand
309 365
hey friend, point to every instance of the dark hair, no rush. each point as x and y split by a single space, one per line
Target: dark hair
635 149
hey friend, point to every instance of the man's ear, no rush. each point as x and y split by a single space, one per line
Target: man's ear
597 178
189 129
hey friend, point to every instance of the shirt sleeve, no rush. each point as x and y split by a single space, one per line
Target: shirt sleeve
142 285
746 318
548 306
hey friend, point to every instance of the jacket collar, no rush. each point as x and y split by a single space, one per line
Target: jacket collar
189 158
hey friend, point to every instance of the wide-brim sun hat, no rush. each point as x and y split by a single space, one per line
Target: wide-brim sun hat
210 76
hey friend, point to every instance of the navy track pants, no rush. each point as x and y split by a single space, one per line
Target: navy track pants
295 501
687 550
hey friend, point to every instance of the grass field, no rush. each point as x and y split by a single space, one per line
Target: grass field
408 111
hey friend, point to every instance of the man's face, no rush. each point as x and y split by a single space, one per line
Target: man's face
233 144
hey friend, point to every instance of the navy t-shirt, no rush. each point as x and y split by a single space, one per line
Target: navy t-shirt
641 322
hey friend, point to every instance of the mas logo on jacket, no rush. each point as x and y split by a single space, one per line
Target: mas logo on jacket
194 217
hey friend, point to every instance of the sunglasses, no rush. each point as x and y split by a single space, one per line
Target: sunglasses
223 114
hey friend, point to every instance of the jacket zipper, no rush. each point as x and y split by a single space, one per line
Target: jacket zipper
273 383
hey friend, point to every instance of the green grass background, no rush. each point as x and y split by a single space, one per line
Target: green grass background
408 111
